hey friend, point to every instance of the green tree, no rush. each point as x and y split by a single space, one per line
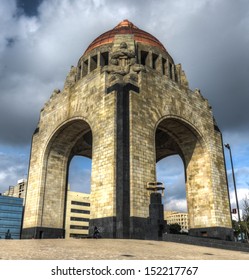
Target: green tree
236 229
245 223
174 228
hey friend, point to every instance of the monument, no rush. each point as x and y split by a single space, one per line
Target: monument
126 105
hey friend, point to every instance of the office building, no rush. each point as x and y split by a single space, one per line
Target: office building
77 215
174 217
11 213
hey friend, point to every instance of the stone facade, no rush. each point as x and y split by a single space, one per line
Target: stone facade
126 105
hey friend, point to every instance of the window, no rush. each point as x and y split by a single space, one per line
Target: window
154 61
85 68
144 58
78 227
93 63
164 66
176 77
80 211
79 219
77 235
104 58
80 203
10 216
170 71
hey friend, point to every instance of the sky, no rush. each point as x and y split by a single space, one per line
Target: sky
41 39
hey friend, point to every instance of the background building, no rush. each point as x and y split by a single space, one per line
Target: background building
235 216
77 215
11 213
77 211
181 218
18 190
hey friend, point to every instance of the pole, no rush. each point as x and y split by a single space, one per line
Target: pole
235 188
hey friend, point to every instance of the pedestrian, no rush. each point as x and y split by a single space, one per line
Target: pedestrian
96 233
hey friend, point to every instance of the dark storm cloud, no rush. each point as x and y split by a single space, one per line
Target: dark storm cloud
213 48
29 7
209 38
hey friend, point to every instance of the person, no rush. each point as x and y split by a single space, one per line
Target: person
8 235
96 233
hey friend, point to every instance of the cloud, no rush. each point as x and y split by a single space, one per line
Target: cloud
12 168
242 193
29 8
179 205
212 46
39 43
36 52
170 171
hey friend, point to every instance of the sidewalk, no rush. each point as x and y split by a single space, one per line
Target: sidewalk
110 249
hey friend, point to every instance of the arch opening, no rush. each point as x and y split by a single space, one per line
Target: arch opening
170 171
176 137
73 139
77 215
79 174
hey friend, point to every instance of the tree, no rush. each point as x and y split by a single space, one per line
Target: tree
245 223
174 228
236 229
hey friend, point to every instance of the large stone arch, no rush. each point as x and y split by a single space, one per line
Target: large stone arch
175 135
69 140
72 137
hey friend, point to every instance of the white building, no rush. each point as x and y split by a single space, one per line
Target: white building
77 215
18 190
174 217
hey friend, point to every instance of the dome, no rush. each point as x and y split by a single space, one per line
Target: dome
126 27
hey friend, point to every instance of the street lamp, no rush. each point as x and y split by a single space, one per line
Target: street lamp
235 189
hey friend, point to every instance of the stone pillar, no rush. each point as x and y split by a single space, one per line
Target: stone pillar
173 72
98 59
89 64
167 68
122 158
149 59
156 223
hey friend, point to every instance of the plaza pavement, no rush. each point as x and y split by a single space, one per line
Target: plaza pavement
110 249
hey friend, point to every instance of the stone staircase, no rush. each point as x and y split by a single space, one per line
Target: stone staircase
207 242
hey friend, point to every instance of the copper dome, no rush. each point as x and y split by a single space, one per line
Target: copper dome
125 27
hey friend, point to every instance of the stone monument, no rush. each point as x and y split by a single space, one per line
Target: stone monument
126 105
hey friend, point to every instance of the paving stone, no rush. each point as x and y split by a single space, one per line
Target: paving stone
110 249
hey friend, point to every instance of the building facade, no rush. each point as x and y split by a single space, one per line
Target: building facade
126 105
77 215
174 217
77 209
18 190
11 214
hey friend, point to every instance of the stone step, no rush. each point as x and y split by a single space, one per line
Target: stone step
208 242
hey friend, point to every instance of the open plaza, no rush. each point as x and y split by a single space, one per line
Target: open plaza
110 249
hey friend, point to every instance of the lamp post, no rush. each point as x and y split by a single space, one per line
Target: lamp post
235 189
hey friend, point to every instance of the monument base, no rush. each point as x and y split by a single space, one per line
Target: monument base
213 232
139 228
106 227
42 233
